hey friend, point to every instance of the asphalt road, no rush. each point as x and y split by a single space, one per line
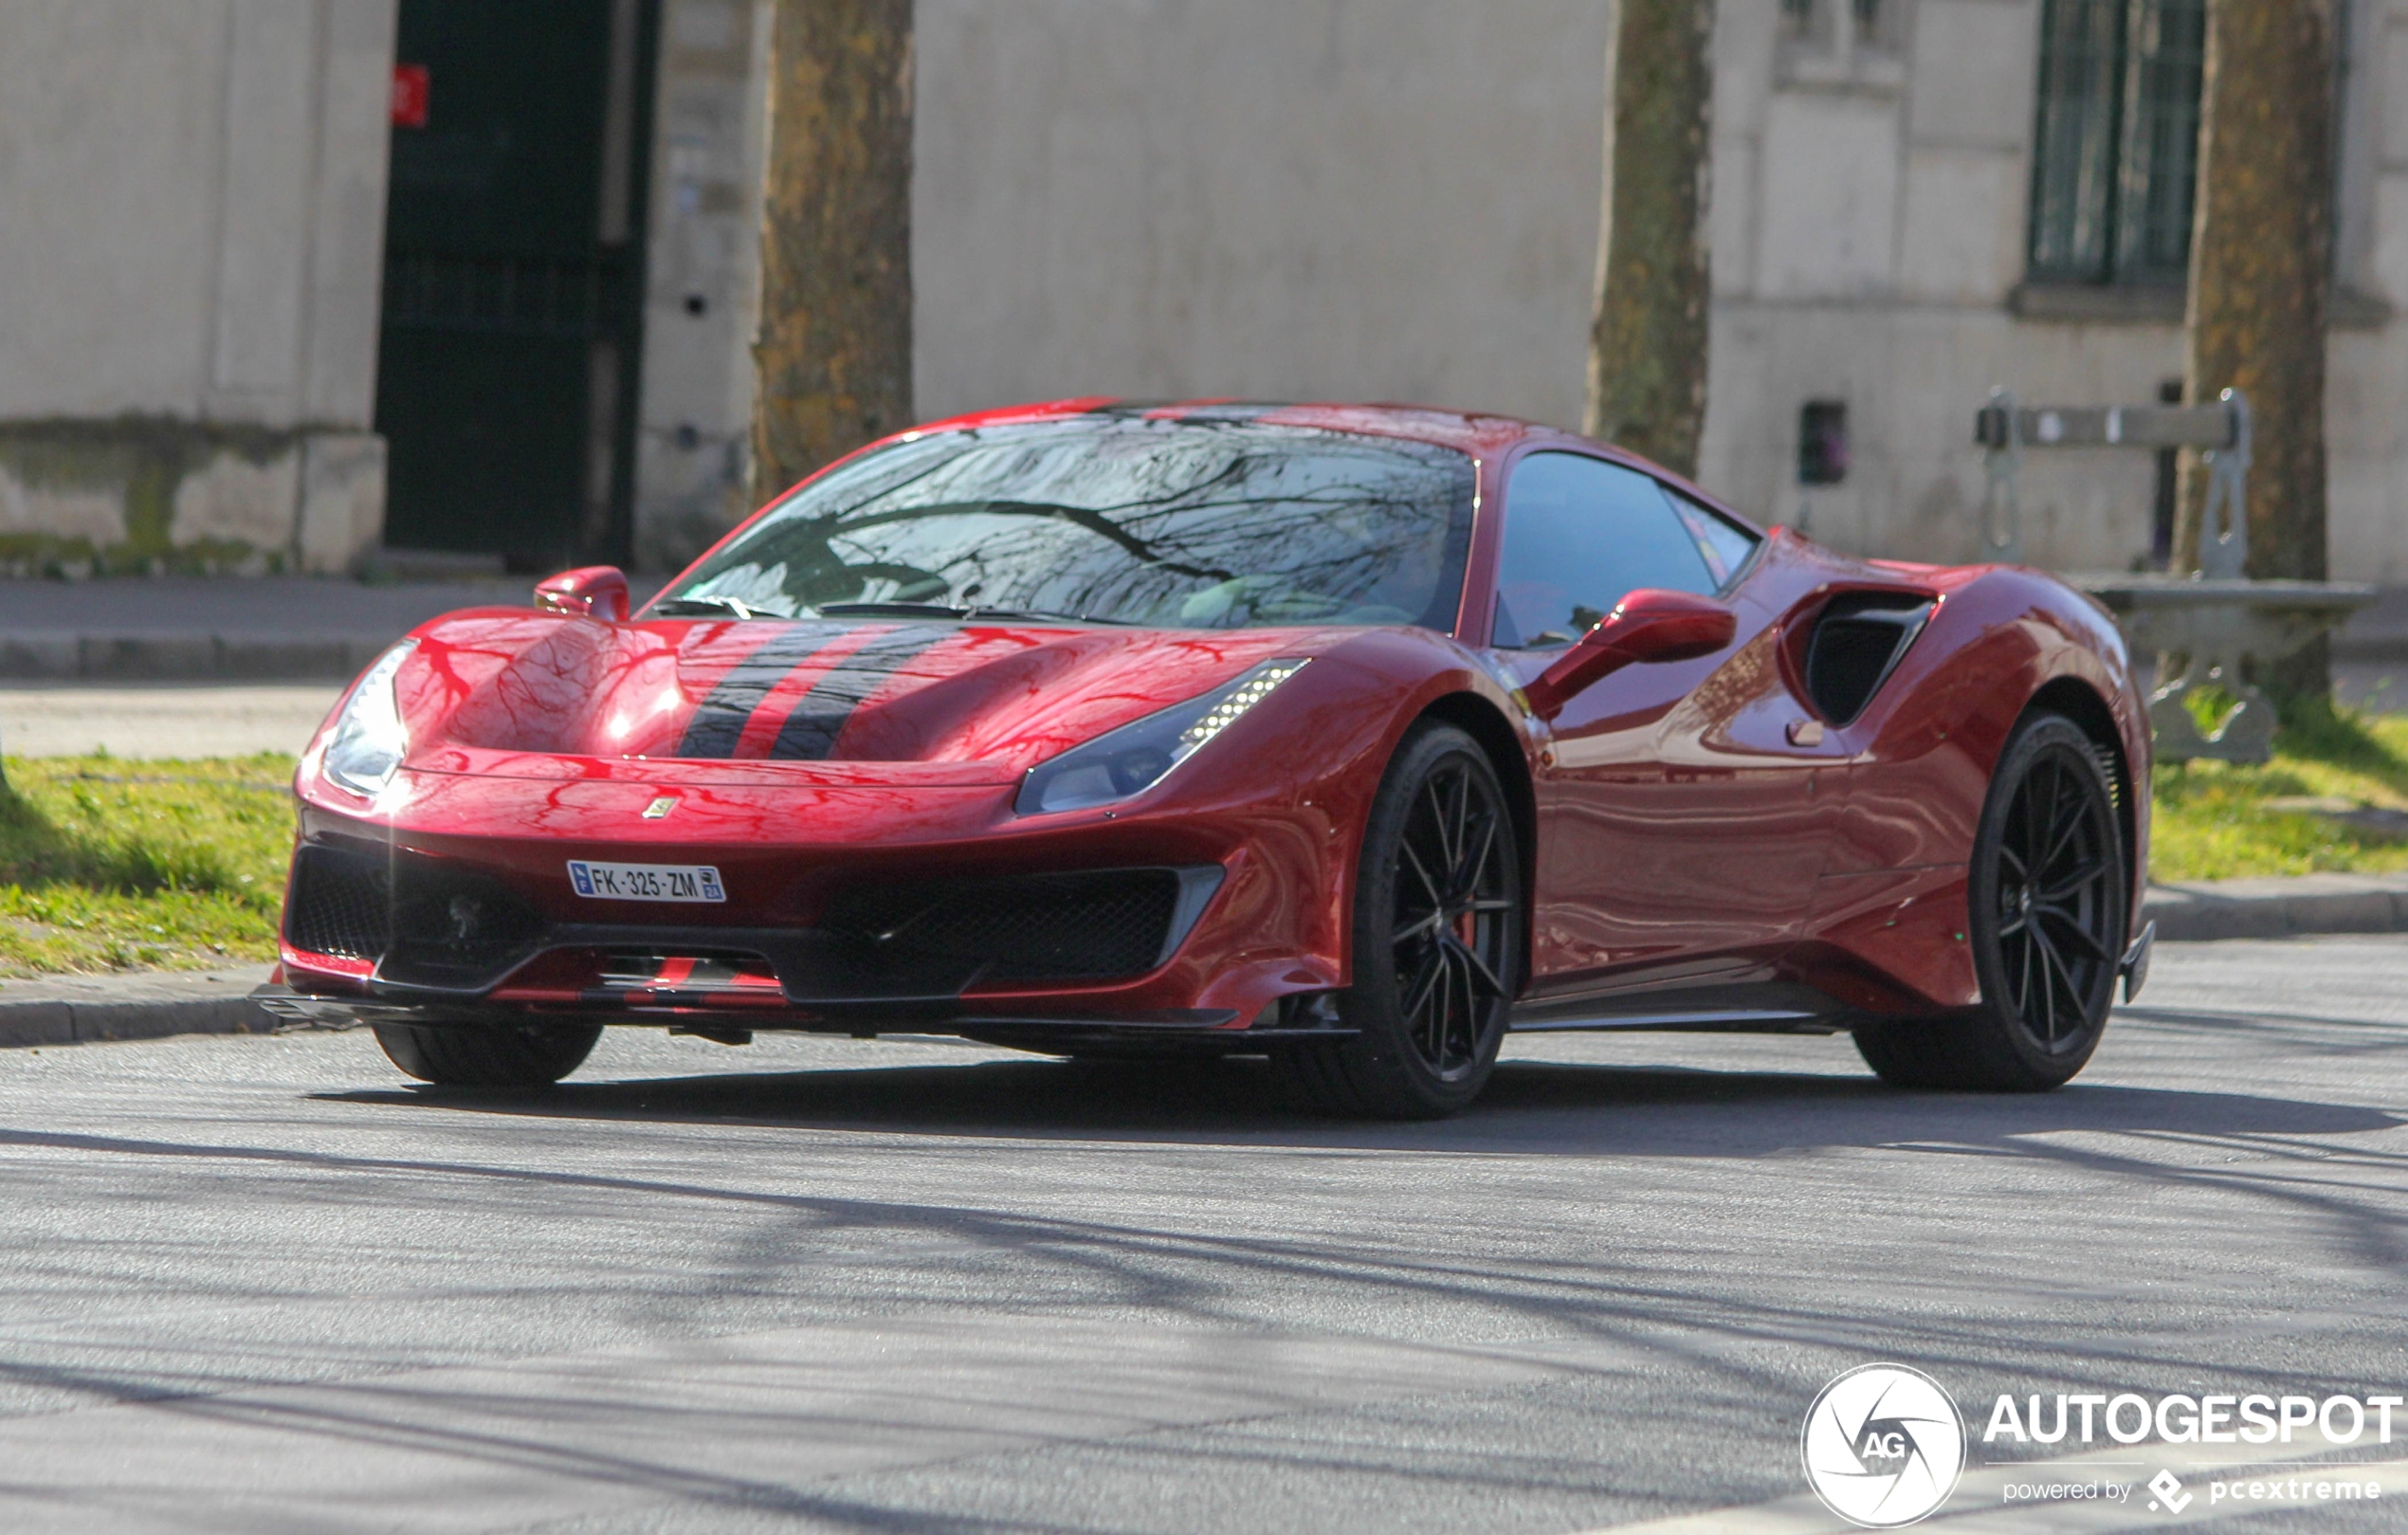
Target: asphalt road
181 720
251 1285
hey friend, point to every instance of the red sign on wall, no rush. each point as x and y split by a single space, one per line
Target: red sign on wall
409 96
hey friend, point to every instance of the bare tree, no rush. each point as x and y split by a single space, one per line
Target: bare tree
2261 255
832 359
1647 344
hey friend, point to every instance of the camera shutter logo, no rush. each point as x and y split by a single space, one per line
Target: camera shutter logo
1883 1446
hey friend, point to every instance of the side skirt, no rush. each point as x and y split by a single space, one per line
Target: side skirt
1758 1008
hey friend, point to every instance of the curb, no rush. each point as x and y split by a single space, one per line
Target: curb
2278 906
83 1009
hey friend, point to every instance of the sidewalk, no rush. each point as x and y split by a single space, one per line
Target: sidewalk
2378 632
79 1010
225 629
2278 906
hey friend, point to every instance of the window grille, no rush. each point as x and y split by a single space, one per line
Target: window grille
1819 20
2116 148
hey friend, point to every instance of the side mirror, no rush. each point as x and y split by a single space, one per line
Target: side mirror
1648 624
594 591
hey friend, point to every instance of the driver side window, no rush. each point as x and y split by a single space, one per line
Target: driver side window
1579 534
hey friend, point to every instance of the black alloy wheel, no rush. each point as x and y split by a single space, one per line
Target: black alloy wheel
518 1057
2047 888
1437 940
2056 952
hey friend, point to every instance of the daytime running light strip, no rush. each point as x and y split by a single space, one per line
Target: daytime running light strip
1225 713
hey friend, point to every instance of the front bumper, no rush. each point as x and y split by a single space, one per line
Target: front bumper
855 911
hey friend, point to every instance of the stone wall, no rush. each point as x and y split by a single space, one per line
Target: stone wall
1317 199
703 282
193 200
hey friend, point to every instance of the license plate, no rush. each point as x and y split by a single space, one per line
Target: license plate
646 881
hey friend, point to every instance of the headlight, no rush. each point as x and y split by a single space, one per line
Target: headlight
369 740
1134 759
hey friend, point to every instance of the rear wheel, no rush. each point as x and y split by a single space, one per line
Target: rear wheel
2046 895
1437 941
527 1055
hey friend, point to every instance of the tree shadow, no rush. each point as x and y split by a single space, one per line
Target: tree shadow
1539 1107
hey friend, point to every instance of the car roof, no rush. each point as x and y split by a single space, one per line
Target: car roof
1472 433
1478 434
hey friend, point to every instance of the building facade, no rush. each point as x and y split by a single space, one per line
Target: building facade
192 208
290 276
1913 201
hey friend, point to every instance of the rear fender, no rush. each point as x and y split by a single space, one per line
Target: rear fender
1892 906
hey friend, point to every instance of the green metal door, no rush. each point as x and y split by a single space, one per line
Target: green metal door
513 283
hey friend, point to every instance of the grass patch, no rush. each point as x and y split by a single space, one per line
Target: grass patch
2213 821
111 865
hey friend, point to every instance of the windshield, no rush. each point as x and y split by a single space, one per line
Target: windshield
1189 524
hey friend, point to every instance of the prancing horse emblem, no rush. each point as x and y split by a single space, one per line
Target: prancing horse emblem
660 807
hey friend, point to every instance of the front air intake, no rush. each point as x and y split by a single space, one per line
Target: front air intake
1092 927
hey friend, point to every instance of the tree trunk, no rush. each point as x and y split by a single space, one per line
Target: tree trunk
1647 345
832 357
2261 259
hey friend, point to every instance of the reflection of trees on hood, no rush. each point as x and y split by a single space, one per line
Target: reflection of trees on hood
1117 518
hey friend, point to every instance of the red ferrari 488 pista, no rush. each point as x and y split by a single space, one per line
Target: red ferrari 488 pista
1353 737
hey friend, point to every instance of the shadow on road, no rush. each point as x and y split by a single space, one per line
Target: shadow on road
1530 1107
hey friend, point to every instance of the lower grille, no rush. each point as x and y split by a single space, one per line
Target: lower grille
1052 927
339 904
424 921
432 923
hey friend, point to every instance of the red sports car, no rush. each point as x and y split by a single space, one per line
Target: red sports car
1353 737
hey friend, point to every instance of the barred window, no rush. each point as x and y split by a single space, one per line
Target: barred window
2116 149
1866 23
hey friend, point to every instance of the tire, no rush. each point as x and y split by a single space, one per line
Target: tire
2047 891
1437 941
528 1055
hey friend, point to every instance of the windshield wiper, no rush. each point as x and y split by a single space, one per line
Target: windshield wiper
894 610
942 610
710 604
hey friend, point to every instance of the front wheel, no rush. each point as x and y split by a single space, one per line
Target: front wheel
528 1055
2047 893
1437 940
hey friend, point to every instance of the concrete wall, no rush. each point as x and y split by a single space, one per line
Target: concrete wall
1398 199
1339 199
703 282
193 196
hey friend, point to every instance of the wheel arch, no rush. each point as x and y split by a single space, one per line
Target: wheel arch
2077 700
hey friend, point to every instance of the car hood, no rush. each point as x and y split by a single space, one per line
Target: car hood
523 694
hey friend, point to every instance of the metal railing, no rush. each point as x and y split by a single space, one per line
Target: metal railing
2005 431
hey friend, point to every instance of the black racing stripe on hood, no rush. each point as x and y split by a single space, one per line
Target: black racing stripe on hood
810 733
718 719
